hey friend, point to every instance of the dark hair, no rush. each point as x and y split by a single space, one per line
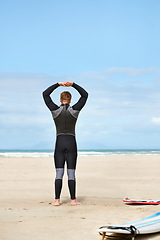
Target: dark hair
66 96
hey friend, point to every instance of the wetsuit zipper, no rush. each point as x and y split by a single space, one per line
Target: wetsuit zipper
65 121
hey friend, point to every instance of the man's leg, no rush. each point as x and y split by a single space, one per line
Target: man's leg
71 159
59 159
72 186
58 182
72 183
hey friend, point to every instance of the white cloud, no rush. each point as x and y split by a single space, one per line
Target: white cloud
155 120
132 71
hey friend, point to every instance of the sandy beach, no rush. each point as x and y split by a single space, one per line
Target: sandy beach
27 193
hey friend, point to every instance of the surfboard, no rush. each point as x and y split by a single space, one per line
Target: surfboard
146 225
143 202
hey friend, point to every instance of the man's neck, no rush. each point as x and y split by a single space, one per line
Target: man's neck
65 103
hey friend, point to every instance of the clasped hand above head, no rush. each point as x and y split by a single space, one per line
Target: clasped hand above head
66 84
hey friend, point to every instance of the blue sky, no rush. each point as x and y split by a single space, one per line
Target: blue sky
111 48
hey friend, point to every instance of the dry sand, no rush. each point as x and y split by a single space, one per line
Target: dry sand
26 190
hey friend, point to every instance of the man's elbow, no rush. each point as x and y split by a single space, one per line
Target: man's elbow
86 95
44 94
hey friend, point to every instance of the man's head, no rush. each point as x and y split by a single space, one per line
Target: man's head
65 97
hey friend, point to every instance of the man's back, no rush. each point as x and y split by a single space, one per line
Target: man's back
65 119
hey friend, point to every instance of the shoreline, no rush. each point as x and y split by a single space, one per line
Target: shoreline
45 154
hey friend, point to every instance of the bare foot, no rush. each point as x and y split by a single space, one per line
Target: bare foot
74 202
56 202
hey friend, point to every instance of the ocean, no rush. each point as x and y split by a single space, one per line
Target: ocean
50 153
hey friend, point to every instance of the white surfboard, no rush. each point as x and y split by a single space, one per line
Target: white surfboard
146 225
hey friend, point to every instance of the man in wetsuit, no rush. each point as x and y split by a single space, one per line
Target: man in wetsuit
65 118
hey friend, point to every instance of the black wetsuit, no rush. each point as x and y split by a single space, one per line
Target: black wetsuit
65 118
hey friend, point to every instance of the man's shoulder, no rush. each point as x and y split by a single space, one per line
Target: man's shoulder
73 112
56 112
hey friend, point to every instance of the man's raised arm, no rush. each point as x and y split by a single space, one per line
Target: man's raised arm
46 96
84 95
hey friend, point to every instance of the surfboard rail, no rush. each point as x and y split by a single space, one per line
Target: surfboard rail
141 202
